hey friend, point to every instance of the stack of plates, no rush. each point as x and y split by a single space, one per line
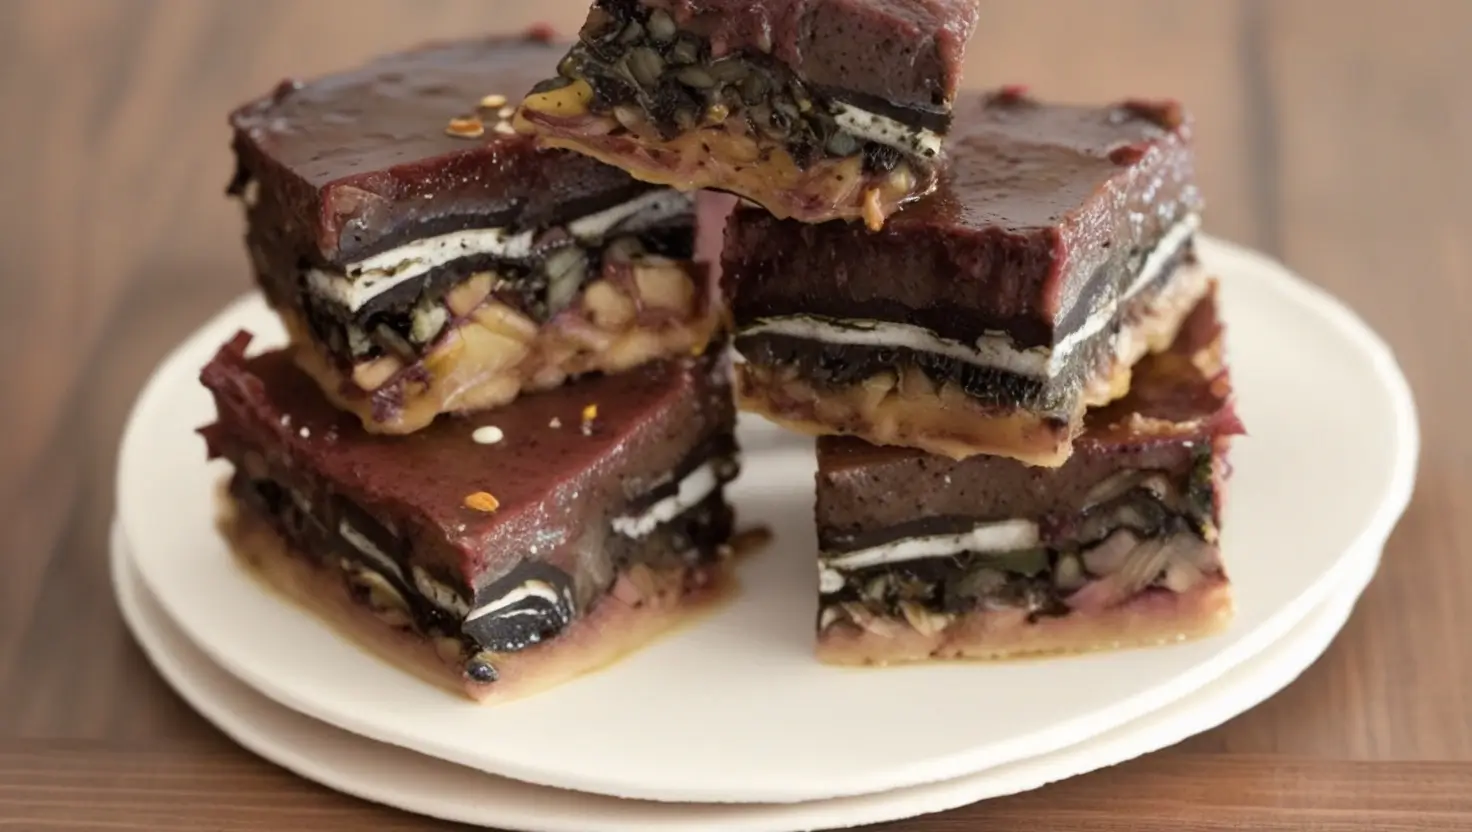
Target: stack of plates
731 724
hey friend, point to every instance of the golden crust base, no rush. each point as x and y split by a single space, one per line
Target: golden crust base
628 619
1151 619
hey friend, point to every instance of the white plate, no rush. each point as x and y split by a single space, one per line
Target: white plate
416 783
736 709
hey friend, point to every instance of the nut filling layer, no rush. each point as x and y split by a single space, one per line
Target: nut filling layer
684 524
1142 532
640 93
451 340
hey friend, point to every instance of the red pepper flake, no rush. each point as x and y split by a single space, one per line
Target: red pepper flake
1165 113
541 32
1128 154
1012 94
482 501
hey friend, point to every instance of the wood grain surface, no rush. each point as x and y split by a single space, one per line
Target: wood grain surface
1337 136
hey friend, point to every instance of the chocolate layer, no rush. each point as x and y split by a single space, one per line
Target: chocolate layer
352 164
1044 214
1135 509
906 54
470 523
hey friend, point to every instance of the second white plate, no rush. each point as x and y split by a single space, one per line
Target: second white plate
736 709
416 783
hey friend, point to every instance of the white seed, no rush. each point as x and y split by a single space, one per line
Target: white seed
488 435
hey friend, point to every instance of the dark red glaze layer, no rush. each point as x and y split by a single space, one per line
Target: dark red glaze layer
557 483
1040 210
905 53
1175 417
357 162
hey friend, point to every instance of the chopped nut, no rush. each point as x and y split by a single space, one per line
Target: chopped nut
449 649
493 101
608 307
468 127
488 435
664 287
470 294
828 617
925 622
506 322
371 375
482 501
873 212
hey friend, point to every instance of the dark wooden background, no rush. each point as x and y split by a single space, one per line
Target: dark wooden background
1335 135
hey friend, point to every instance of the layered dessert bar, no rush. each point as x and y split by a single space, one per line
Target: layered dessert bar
814 109
427 259
1055 253
924 557
497 554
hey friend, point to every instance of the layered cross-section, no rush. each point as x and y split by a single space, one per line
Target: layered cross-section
427 259
815 109
1057 251
923 557
495 555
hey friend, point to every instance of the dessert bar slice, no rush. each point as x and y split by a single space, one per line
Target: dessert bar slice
815 109
925 557
1057 251
495 555
427 259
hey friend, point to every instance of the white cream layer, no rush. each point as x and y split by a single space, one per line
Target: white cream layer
441 595
1003 536
911 141
369 549
531 589
365 280
994 350
696 486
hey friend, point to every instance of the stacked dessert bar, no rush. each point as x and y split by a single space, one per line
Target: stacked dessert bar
1013 362
496 446
814 109
1019 388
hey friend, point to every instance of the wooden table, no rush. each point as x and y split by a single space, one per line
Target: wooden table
1337 136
